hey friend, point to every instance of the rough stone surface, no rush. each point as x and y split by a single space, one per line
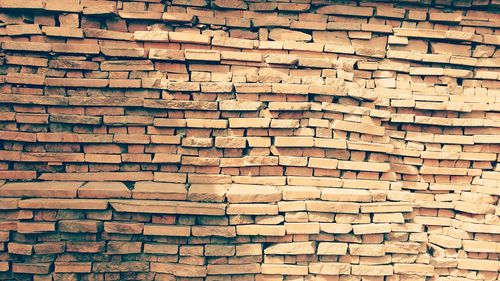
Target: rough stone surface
243 140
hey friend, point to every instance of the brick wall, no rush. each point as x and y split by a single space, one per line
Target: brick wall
233 140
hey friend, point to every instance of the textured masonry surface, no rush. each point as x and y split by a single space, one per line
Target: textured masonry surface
248 140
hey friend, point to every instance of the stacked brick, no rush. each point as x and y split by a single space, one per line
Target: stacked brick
249 140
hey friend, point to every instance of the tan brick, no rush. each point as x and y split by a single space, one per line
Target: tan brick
261 230
329 268
372 270
329 248
358 127
283 269
371 228
166 230
297 248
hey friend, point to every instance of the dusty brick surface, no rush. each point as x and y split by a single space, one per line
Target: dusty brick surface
249 140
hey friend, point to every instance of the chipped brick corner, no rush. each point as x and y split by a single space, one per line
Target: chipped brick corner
231 140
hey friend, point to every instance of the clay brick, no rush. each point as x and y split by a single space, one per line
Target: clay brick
249 193
35 227
329 248
166 54
161 230
124 266
16 4
76 267
358 127
31 268
293 142
260 230
123 228
202 55
100 10
297 248
180 37
249 122
230 269
77 204
222 231
41 189
168 207
414 269
181 270
156 190
273 140
371 270
282 269
330 268
208 193
15 30
101 190
363 166
79 226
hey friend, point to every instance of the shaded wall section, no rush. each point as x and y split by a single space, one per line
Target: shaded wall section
249 140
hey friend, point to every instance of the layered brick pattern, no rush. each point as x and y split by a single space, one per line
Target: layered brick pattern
249 140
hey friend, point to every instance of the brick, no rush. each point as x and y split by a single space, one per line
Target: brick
168 207
166 230
252 209
180 37
166 54
85 247
165 249
207 192
283 269
101 190
62 32
249 122
340 228
19 249
123 227
324 268
346 195
249 249
260 230
346 10
181 270
124 266
73 267
363 166
31 268
41 189
79 226
35 227
415 269
252 193
15 30
371 270
358 127
202 55
117 247
371 228
297 248
77 204
202 135
224 269
16 4
329 248
293 142
323 163
222 231
100 10
367 250
156 190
